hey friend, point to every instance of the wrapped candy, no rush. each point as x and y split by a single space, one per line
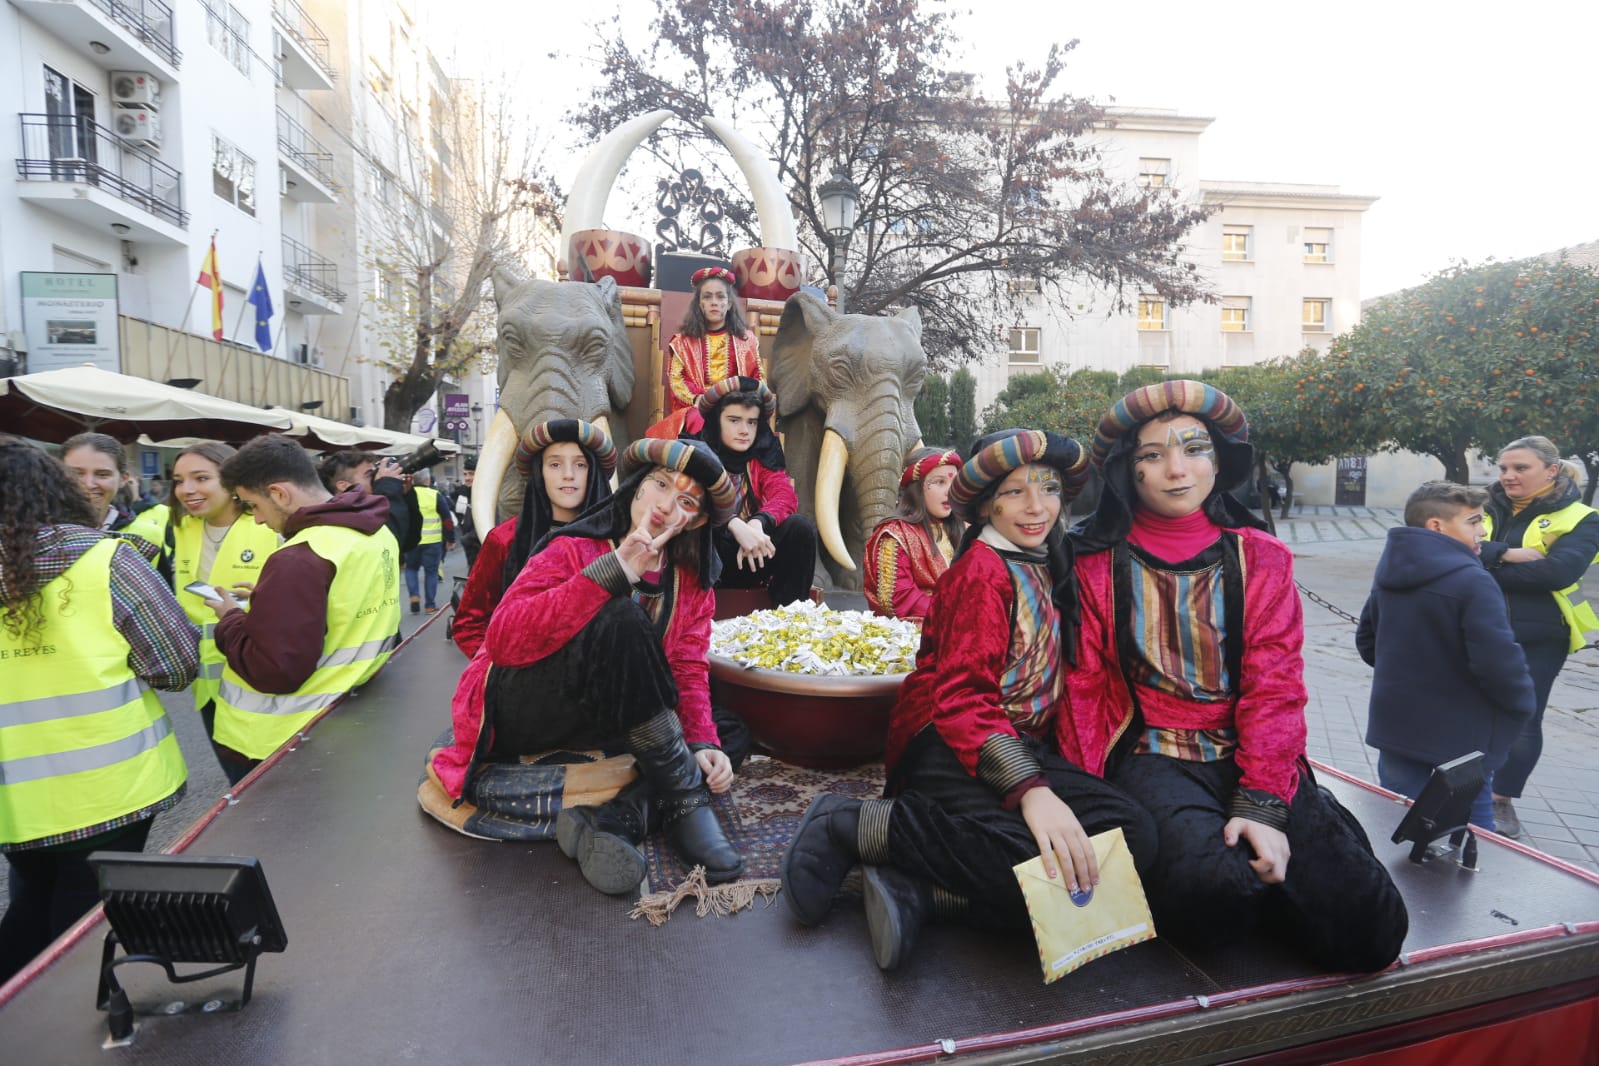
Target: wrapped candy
809 638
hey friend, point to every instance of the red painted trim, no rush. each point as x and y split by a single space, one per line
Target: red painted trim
80 929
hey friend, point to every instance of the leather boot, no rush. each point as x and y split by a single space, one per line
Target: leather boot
682 797
897 906
605 840
824 849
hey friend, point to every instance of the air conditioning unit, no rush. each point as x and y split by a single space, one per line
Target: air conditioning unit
135 88
140 127
308 355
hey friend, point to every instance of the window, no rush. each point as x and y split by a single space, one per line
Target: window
1153 172
1024 342
69 110
1318 245
1237 244
1316 314
1021 286
232 175
1151 313
1235 314
228 31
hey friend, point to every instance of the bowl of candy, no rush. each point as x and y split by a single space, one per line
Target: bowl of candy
814 685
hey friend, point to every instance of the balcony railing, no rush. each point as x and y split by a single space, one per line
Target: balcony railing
305 30
298 144
148 20
303 267
70 148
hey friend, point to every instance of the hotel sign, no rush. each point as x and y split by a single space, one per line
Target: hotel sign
71 319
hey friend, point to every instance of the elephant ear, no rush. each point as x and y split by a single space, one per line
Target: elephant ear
618 373
506 282
804 316
912 318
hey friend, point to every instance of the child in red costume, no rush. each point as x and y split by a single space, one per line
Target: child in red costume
713 343
907 554
1188 693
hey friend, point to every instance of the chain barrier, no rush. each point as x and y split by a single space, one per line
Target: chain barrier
1334 608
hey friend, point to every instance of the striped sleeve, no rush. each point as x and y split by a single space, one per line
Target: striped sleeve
163 645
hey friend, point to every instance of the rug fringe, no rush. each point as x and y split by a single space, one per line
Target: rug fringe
719 900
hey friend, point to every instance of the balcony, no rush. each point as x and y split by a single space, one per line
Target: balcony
80 169
310 281
307 165
231 371
112 34
303 52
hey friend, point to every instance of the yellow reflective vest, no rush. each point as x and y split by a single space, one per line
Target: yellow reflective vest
83 740
427 506
363 628
241 555
1542 532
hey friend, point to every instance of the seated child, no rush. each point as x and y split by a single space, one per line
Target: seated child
1450 678
976 777
1189 694
907 554
601 642
769 542
568 464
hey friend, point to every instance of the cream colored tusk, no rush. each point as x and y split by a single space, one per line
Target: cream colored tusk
771 205
829 487
591 185
498 450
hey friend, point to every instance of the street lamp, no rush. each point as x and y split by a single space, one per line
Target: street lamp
477 426
840 198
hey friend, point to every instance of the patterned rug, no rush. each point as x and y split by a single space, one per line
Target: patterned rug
760 815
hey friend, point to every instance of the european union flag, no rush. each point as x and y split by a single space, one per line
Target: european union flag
263 310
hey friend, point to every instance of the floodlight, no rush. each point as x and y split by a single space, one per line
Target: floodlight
1444 807
170 909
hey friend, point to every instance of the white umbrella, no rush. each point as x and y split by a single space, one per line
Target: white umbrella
318 432
56 404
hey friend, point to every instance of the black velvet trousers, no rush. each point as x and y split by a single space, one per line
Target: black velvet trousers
1338 905
950 828
786 575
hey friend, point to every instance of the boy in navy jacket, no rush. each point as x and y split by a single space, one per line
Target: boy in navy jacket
1450 678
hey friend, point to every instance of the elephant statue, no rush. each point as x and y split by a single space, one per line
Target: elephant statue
846 388
563 353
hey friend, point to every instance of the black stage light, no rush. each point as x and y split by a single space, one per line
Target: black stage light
170 909
1444 807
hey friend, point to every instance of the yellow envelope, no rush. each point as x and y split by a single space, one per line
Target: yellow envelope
1074 928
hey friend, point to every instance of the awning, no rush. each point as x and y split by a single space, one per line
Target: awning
56 404
327 435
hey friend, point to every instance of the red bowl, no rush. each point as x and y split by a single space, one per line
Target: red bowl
825 723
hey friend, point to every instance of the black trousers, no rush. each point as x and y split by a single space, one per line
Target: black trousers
786 575
1338 905
1544 660
53 887
950 828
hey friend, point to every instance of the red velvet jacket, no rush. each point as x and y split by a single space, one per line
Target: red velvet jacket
483 589
771 495
965 643
902 568
1269 712
546 606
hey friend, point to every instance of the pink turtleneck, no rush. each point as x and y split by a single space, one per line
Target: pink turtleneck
1172 539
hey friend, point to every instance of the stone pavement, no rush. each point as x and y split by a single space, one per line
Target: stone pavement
1335 552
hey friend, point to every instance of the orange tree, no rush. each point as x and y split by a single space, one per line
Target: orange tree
1472 358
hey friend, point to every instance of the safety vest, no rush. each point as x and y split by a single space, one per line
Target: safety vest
1541 533
241 555
427 505
363 628
149 525
83 740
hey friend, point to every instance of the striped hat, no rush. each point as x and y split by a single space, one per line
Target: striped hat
707 400
717 272
997 454
691 457
586 435
1181 396
920 468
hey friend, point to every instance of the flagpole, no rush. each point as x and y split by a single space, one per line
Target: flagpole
183 321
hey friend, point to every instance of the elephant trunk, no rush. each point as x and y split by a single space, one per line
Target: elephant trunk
870 464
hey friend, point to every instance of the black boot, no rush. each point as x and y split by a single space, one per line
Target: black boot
897 906
605 839
682 798
824 849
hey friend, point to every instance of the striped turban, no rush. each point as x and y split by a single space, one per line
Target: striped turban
586 435
1179 396
721 390
920 468
997 454
691 457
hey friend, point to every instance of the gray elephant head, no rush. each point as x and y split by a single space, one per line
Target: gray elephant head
563 353
846 388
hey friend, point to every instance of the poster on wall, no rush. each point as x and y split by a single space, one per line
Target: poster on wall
70 320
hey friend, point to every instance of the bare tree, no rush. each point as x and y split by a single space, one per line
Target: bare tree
959 193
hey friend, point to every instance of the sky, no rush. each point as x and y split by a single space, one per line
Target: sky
1475 124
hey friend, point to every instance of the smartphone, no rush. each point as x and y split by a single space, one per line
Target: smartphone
202 590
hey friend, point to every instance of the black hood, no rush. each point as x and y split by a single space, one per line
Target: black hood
1415 557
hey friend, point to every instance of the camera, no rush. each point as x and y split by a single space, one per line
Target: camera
421 459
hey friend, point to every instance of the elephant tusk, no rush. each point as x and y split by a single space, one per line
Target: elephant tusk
498 451
604 424
829 487
771 205
591 185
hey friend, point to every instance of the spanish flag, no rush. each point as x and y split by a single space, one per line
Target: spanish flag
211 278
